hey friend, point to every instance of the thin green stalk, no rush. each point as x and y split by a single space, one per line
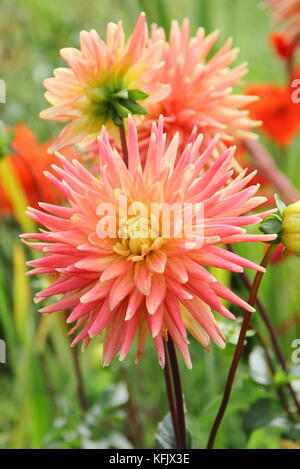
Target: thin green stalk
274 340
273 336
170 395
239 349
79 378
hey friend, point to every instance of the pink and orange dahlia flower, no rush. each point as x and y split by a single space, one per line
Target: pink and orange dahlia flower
201 88
103 82
128 284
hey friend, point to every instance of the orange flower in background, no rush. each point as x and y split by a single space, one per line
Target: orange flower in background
30 159
280 116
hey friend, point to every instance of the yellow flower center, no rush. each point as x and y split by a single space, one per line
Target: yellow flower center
138 239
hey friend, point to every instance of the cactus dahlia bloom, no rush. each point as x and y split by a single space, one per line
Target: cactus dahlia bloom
201 88
103 83
287 12
132 281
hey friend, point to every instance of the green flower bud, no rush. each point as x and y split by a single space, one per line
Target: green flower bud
291 227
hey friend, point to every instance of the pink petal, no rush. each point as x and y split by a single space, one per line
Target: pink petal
157 293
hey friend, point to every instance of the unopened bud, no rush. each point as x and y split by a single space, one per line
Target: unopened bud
291 228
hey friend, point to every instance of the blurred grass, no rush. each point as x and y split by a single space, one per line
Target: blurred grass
38 403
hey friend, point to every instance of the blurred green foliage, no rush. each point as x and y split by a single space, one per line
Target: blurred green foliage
38 402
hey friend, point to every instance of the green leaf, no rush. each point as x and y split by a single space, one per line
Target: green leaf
281 378
124 94
264 438
260 414
133 107
272 225
115 117
280 205
165 436
136 95
232 330
21 294
121 110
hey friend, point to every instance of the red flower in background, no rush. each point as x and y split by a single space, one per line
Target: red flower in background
284 47
280 116
30 159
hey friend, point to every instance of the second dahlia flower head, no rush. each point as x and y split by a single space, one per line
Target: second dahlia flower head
105 82
145 285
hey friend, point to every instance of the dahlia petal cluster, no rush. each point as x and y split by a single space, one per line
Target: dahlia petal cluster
287 13
201 87
101 77
129 284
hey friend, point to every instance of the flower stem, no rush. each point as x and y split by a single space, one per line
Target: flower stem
290 62
170 394
172 370
265 164
239 349
178 392
273 336
124 143
79 379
